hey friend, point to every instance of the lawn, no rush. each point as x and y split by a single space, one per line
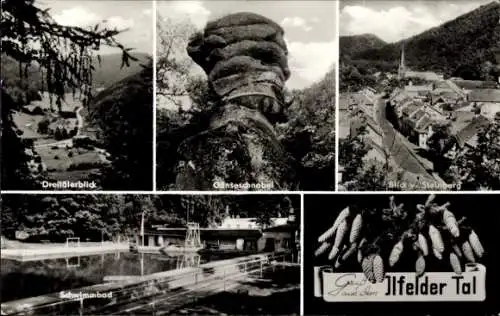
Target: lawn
59 159
73 176
69 104
29 125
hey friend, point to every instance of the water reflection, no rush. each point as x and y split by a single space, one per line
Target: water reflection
73 262
37 277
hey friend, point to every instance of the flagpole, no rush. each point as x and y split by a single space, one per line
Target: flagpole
142 227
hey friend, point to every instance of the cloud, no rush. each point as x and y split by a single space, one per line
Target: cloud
179 10
119 23
147 12
296 21
77 16
309 62
398 22
82 17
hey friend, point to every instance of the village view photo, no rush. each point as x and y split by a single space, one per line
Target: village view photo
419 105
77 95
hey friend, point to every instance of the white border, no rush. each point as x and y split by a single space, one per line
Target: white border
337 93
301 229
153 3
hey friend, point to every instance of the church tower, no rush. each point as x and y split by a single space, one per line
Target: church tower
402 67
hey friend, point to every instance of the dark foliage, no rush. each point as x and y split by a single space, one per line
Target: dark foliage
123 114
15 172
173 127
309 134
352 45
56 217
461 46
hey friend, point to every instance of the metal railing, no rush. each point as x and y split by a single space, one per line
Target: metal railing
151 290
163 304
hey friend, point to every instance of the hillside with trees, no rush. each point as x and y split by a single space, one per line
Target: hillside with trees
309 133
90 217
469 41
355 44
107 69
122 116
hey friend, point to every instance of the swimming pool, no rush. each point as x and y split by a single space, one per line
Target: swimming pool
32 278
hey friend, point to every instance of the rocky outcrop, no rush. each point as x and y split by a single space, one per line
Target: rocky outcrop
245 58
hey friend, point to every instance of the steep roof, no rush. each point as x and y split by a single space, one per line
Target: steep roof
424 123
418 115
448 95
484 95
471 130
418 88
410 107
426 75
474 84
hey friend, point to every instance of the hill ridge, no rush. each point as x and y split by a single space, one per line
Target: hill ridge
472 38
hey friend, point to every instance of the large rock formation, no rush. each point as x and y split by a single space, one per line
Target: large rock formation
245 58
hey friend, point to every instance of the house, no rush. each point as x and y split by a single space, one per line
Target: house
446 96
424 130
484 96
340 172
233 234
249 223
490 109
418 91
470 85
467 135
424 75
399 97
277 238
373 136
465 127
446 91
415 119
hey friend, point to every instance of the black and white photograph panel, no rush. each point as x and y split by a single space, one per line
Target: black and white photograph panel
419 104
101 254
246 95
77 95
418 255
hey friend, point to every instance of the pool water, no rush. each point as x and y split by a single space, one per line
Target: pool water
34 278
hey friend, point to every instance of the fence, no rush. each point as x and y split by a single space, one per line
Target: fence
73 241
156 292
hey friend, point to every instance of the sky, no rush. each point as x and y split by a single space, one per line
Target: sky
393 20
310 29
134 15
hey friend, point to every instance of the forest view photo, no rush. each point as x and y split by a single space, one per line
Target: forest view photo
419 105
246 95
77 95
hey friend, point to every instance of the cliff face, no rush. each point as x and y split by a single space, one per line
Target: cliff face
245 58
